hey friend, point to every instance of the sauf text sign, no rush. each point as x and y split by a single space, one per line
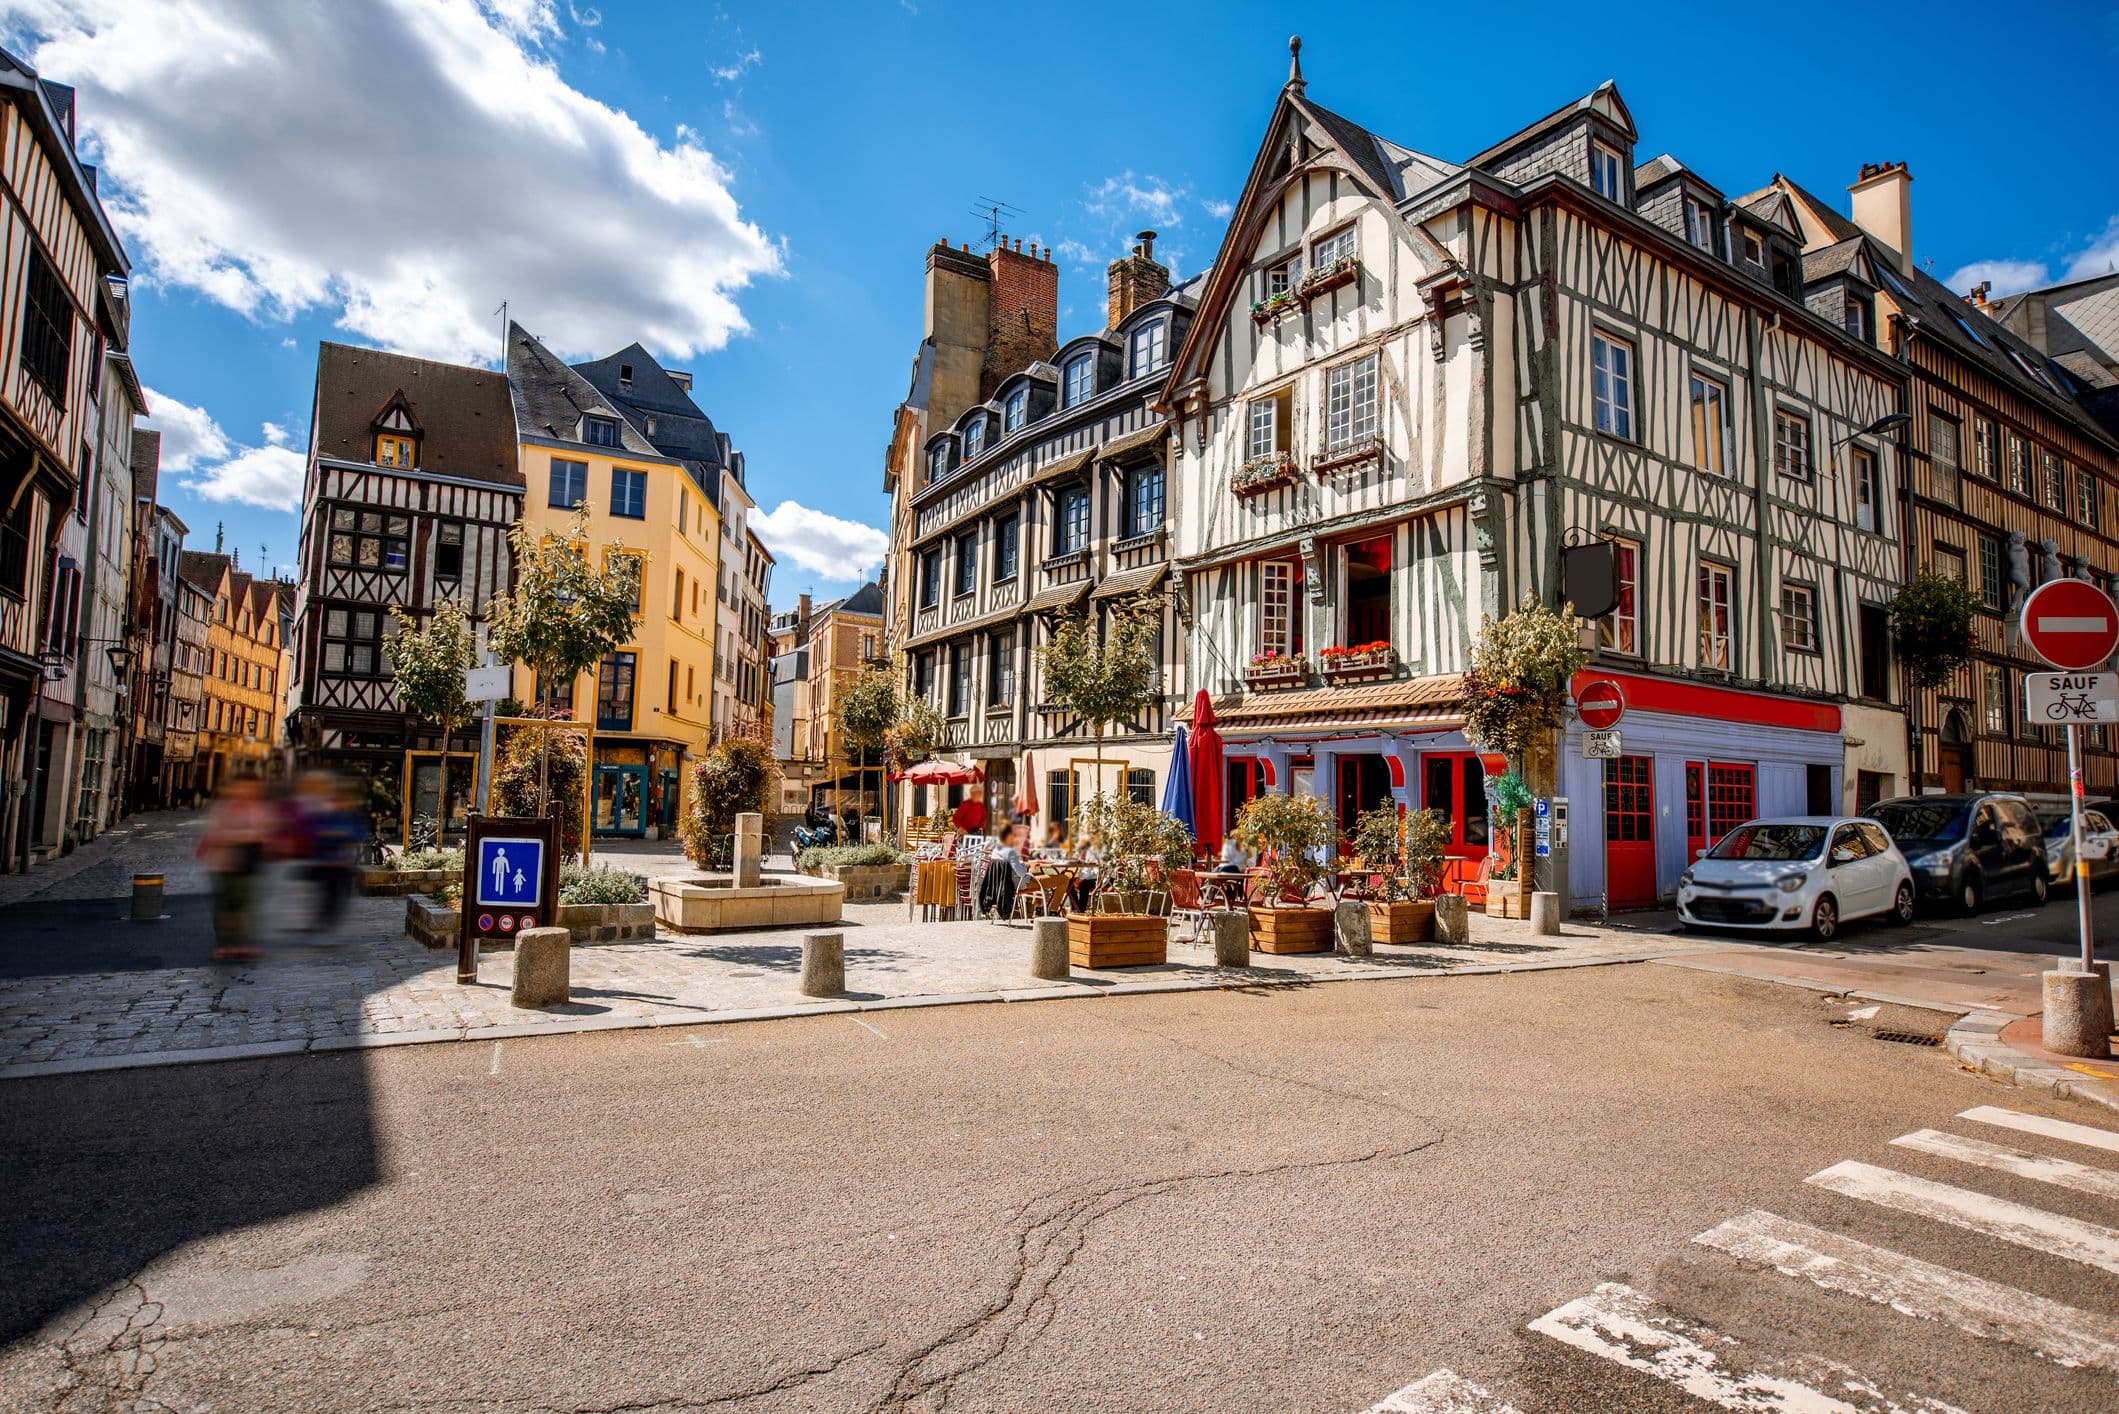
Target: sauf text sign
2065 699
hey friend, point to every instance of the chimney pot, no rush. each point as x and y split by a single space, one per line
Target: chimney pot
1147 244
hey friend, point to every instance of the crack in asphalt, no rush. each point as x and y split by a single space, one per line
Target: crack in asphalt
1299 1081
121 1363
1048 1233
794 1379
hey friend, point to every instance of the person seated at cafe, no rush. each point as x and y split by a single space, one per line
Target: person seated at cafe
1055 846
1005 872
1234 857
1087 853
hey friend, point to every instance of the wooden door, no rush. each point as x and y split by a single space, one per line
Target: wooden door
1629 833
1955 762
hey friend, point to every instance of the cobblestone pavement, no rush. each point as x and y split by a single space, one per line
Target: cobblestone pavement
369 984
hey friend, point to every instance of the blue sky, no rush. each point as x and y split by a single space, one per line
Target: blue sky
749 189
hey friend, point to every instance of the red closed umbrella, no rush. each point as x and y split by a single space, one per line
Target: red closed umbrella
1207 776
1026 789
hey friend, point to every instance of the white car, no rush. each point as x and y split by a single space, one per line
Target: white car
1803 871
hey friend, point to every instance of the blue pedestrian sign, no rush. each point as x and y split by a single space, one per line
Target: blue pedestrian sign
510 872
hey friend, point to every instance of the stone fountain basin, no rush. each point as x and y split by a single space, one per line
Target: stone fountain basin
711 903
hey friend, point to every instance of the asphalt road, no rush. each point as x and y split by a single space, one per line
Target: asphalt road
1279 1200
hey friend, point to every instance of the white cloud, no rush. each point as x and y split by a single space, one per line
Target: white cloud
189 434
268 476
1131 195
823 544
1075 250
1220 210
435 166
2099 257
733 70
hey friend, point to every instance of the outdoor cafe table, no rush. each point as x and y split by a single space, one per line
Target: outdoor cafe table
1055 882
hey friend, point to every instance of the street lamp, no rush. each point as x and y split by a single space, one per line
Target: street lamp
1889 422
120 660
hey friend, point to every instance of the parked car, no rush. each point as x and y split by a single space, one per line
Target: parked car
2098 838
1967 849
1804 871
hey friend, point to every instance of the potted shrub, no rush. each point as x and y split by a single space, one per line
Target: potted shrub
1290 834
1139 847
1508 882
1407 853
1516 696
1262 474
1329 277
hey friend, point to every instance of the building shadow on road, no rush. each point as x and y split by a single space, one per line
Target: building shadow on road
103 1172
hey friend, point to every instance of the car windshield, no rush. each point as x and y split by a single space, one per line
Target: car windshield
2056 827
1771 842
1940 821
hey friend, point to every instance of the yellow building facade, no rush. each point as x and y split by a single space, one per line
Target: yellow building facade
245 672
651 701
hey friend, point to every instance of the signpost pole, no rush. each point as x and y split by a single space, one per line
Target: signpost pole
2082 865
467 901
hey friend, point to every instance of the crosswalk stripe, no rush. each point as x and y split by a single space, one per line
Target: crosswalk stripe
1619 1324
2087 1135
2077 1241
2065 1173
2063 1334
1443 1392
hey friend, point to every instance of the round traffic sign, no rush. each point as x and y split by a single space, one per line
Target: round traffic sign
507 922
485 922
1600 704
2071 624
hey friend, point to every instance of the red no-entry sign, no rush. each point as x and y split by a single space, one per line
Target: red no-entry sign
2071 624
1600 704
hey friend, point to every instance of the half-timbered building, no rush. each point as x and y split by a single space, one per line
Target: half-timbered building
410 490
1413 382
2011 482
1049 496
58 257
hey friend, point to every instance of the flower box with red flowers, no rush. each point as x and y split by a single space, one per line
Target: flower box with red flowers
1261 474
1357 662
1270 670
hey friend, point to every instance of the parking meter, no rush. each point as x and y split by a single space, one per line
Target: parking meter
1551 849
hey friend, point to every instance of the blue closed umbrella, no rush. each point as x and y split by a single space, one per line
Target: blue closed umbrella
1177 785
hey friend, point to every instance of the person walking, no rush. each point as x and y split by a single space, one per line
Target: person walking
238 831
332 836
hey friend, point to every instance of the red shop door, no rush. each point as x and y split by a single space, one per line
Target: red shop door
1629 833
1454 787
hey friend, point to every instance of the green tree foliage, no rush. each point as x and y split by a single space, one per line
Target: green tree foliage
543 770
736 775
867 710
1107 678
1516 694
428 665
915 735
1931 625
1288 833
1407 851
1135 842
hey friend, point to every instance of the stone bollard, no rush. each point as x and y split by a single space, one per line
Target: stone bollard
1048 950
750 846
1232 938
543 966
1545 913
1350 928
823 964
146 898
2078 1011
1453 920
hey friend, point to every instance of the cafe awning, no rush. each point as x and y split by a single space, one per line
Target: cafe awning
1432 704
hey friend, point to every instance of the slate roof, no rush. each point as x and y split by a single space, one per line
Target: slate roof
681 429
1563 114
2081 323
466 427
1833 260
146 463
1397 170
550 398
203 568
868 599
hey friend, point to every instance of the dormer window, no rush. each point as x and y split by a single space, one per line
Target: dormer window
1856 318
625 375
1150 348
1016 411
974 439
1699 224
599 431
1754 250
938 462
1606 176
1081 379
392 449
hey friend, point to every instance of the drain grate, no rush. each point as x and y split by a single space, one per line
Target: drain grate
1907 1038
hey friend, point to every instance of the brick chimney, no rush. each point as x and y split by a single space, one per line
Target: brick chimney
1022 311
1135 280
959 289
1883 206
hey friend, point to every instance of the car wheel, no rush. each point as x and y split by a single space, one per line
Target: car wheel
2041 889
1824 919
1970 895
1902 906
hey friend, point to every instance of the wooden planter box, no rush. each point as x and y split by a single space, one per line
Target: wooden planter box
1277 678
1340 272
1120 939
1508 903
1265 311
1284 930
1359 667
1406 922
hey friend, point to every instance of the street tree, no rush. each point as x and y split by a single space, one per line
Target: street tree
428 664
565 614
1104 678
1931 627
866 713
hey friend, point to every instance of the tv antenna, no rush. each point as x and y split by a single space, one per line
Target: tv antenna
995 214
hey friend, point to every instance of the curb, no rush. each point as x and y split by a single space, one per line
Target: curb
1220 980
1976 1043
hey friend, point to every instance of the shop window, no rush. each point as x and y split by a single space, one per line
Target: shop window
1060 798
1729 798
